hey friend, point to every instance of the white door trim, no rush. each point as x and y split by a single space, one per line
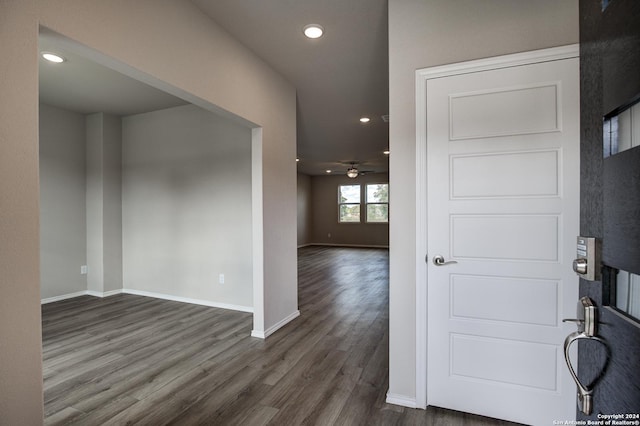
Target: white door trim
422 76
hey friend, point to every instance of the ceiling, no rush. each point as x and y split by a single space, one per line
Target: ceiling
84 86
339 77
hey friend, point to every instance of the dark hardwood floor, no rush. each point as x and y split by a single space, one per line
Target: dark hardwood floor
135 360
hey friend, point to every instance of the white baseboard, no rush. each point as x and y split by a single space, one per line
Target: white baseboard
258 334
269 331
63 297
103 294
148 294
93 293
346 245
402 400
78 294
188 300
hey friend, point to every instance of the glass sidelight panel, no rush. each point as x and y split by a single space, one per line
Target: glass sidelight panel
621 248
626 293
621 131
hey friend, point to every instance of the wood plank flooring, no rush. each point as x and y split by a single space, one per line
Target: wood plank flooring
127 359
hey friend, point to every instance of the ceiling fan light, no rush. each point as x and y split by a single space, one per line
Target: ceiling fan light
352 173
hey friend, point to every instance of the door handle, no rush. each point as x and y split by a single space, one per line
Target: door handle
586 322
438 260
587 318
585 395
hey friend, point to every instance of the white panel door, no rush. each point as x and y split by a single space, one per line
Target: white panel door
502 202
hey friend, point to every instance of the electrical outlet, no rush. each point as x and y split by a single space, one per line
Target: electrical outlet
84 269
329 235
221 278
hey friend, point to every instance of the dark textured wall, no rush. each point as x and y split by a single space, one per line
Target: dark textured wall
609 79
621 223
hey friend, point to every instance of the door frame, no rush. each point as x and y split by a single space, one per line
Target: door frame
422 77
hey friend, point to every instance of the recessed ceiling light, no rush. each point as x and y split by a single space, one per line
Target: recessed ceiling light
313 31
297 160
386 152
328 171
52 57
365 119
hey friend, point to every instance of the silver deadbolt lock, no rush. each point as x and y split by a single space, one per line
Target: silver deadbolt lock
587 264
580 266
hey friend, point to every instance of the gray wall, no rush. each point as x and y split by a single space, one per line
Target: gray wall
425 33
228 76
324 204
62 202
112 201
104 203
305 213
186 206
187 212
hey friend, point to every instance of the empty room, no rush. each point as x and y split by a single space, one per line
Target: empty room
363 212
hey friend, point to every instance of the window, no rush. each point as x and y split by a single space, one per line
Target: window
349 203
377 203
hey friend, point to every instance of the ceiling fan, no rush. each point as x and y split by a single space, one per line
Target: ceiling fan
353 172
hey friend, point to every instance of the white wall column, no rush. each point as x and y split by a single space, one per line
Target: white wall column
104 203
